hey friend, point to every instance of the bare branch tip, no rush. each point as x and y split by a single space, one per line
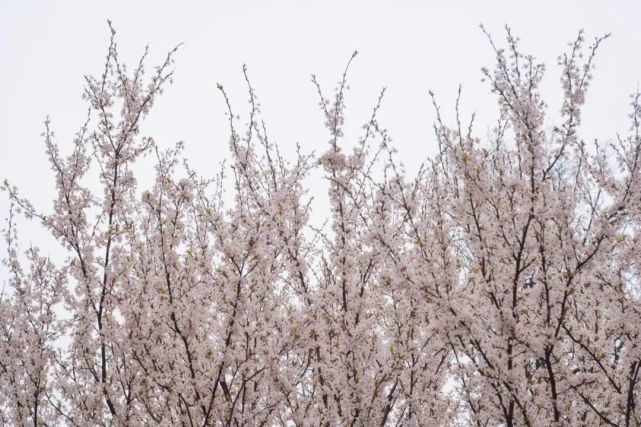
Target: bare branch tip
111 27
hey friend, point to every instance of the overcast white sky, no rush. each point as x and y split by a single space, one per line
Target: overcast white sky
409 46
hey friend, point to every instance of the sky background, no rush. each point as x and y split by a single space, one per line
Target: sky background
408 46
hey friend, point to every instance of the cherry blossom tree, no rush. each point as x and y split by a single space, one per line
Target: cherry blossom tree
538 333
499 285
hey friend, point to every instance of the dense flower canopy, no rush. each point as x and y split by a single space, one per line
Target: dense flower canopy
500 285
